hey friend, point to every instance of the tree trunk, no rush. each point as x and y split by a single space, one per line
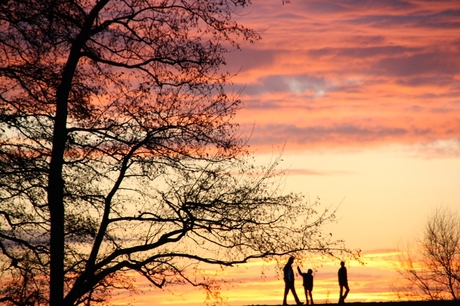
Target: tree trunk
56 182
56 206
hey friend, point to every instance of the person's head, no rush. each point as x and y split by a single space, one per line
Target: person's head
342 263
310 271
291 260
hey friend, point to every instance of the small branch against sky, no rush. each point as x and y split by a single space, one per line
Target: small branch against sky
430 266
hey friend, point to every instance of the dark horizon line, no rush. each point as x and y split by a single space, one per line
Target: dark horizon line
396 303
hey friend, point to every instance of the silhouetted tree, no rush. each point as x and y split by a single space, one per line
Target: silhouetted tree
432 266
117 151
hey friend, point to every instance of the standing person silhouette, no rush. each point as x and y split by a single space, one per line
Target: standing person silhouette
289 281
307 284
343 282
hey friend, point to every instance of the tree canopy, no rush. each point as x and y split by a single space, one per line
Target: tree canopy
118 151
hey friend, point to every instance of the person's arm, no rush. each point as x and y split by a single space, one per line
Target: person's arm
298 269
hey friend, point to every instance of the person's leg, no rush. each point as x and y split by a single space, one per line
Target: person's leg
311 297
295 294
341 292
286 291
306 295
347 289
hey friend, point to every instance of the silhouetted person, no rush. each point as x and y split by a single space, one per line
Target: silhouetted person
289 281
307 284
343 282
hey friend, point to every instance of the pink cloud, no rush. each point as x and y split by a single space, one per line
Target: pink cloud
350 74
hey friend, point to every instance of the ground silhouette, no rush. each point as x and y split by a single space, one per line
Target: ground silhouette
409 303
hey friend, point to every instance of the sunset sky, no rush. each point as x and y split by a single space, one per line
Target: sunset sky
362 99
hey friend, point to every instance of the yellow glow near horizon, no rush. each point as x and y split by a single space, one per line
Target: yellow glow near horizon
367 201
261 282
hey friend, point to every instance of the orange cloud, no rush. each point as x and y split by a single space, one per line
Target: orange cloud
339 74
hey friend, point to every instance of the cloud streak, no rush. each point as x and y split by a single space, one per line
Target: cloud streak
339 74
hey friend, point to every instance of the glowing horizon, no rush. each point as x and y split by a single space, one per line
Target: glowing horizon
259 282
